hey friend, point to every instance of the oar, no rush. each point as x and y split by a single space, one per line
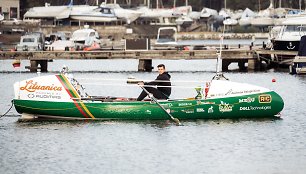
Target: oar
177 121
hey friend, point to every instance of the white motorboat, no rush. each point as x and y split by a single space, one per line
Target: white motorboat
230 22
262 21
208 12
184 20
127 15
290 34
85 37
47 11
166 38
93 14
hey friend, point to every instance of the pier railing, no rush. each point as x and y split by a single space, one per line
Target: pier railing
241 56
135 54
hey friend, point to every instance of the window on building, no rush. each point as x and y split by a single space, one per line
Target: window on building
13 12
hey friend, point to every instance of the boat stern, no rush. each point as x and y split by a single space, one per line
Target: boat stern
47 89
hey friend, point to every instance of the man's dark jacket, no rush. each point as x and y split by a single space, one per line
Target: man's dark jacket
158 82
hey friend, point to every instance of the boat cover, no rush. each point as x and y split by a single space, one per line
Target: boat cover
302 47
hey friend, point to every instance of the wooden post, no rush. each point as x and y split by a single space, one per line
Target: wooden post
44 65
251 65
254 64
33 65
145 65
225 64
241 64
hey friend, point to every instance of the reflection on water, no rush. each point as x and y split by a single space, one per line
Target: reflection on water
199 146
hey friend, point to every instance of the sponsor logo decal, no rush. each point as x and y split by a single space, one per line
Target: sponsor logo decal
231 92
200 110
266 98
45 95
32 86
211 109
225 107
188 111
204 103
31 95
148 112
185 104
247 100
253 108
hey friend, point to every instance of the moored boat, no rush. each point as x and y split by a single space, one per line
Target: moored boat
62 96
298 65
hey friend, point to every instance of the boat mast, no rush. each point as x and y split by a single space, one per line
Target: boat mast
148 1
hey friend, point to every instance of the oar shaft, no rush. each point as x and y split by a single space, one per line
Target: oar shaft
155 100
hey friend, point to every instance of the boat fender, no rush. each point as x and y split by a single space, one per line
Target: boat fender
207 85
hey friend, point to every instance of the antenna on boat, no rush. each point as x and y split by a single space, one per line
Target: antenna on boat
219 75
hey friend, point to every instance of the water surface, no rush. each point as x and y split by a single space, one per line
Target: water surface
199 146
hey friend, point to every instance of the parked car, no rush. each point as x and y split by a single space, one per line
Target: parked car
12 21
34 41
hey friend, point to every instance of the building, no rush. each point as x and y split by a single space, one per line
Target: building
10 9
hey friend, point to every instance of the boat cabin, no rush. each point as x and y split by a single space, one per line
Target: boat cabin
85 37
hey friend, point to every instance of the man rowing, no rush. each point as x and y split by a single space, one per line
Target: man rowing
162 82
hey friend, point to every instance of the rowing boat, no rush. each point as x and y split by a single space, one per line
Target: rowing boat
61 96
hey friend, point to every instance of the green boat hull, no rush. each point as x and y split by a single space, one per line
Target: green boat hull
259 105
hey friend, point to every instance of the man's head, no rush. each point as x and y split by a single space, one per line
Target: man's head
161 68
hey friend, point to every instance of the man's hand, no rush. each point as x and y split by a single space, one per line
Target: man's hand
140 83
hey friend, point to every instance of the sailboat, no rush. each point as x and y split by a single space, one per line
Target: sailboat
164 15
246 17
227 16
265 17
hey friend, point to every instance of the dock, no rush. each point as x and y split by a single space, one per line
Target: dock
253 58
